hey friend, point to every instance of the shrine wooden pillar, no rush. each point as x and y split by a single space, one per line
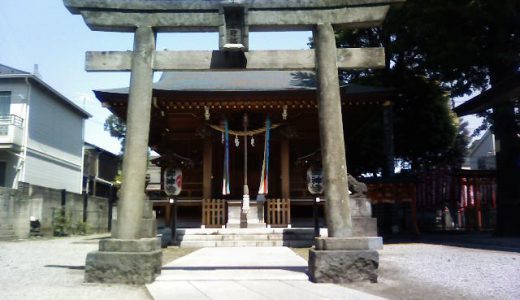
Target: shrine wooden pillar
207 164
284 167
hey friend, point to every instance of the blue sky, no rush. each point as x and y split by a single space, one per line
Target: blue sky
43 32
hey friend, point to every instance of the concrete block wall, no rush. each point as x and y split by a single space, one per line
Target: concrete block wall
17 206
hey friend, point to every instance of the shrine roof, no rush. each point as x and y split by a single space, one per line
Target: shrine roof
246 81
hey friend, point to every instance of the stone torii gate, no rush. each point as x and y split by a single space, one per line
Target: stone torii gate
131 255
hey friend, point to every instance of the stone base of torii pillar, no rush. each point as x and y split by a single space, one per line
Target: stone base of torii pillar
129 261
351 259
344 260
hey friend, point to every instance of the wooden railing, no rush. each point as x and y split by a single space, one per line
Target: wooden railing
278 212
213 213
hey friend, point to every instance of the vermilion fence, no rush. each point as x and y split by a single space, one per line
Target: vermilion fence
442 198
469 195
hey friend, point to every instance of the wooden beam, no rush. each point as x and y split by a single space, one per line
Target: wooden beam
257 20
350 58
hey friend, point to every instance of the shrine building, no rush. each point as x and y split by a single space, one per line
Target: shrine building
187 130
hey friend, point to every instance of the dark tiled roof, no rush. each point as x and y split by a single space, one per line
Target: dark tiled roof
253 81
10 71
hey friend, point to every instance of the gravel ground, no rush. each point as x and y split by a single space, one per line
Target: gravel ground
53 269
422 271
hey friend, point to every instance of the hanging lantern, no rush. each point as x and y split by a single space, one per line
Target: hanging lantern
252 141
237 141
206 113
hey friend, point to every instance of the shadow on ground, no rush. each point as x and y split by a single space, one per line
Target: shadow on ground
66 267
471 240
286 268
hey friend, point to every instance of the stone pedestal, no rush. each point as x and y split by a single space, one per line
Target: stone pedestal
344 260
124 261
362 222
254 216
234 212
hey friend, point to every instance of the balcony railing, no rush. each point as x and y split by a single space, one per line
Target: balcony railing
6 120
11 130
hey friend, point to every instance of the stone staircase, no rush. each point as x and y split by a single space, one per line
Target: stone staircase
7 232
245 237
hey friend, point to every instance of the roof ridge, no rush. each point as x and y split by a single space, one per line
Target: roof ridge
4 69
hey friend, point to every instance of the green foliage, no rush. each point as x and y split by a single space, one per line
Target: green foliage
80 228
63 225
425 128
116 128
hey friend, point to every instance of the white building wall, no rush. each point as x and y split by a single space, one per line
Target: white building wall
19 90
55 143
483 155
52 172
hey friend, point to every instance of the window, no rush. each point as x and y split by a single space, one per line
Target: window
5 111
5 103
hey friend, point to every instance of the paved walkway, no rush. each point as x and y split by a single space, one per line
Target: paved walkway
244 273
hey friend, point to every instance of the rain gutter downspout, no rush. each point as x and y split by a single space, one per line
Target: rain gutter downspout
26 129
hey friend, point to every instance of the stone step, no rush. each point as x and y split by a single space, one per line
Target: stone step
213 231
278 243
243 237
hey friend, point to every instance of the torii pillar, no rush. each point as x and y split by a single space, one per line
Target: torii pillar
132 255
340 257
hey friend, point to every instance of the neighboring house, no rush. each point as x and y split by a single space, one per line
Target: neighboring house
41 134
99 170
481 154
